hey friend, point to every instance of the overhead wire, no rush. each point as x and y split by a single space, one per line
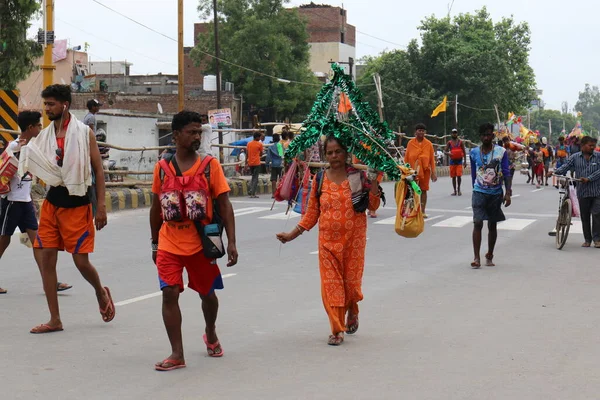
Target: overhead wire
208 54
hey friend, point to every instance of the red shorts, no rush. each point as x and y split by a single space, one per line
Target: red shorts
204 275
70 229
456 170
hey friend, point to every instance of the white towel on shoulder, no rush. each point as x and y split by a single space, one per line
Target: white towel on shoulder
39 158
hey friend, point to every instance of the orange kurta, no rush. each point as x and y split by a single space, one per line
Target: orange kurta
423 153
342 244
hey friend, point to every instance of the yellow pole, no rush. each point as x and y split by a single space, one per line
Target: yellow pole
48 67
180 80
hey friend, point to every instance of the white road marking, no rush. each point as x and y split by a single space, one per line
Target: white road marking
155 294
314 252
468 208
515 214
282 216
515 224
576 227
454 222
432 218
387 221
514 196
250 210
537 190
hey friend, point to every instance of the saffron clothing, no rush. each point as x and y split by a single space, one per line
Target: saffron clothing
182 238
255 149
342 244
421 155
70 229
456 170
204 275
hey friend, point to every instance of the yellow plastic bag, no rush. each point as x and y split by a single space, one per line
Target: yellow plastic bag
409 214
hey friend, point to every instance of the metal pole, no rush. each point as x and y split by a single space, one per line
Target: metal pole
180 78
456 112
48 67
218 70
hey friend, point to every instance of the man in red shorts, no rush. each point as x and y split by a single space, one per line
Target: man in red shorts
176 242
458 157
63 155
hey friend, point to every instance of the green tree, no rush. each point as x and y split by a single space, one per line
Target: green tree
266 37
589 106
483 62
539 122
17 53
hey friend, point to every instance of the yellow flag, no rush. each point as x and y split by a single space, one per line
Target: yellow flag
440 108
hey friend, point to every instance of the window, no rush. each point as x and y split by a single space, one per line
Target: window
149 89
343 37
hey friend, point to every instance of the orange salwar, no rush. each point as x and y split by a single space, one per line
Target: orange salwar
342 244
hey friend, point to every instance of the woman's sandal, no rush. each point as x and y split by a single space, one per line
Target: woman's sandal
488 260
352 326
335 340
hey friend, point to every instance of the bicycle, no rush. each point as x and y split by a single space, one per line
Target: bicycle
565 210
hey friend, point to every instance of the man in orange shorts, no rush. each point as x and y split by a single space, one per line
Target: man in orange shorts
420 156
176 243
63 156
458 156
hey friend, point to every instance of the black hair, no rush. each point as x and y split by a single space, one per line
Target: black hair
561 139
284 135
483 128
276 137
28 118
91 104
58 92
183 118
506 138
333 139
420 125
257 135
588 139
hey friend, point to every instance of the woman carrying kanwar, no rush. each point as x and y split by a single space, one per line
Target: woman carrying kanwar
342 235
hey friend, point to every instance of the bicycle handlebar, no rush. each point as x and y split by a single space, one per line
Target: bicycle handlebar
568 178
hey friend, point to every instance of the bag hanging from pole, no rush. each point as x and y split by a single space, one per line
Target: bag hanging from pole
288 185
409 214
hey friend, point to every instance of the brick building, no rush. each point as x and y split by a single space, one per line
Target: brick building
331 38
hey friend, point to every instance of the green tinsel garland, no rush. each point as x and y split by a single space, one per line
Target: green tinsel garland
323 120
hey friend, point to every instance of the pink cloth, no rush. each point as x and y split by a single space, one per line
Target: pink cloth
59 52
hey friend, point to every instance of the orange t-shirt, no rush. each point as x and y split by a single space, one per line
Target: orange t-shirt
255 149
182 238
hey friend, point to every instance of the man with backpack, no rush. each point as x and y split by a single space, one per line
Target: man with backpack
188 192
458 155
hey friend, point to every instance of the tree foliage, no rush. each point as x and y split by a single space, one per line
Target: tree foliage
264 36
483 62
17 53
539 122
589 105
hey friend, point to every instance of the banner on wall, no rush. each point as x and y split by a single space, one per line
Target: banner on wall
219 118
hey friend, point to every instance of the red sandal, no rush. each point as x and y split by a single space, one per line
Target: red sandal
211 349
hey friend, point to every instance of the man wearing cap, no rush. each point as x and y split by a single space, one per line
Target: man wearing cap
458 155
90 119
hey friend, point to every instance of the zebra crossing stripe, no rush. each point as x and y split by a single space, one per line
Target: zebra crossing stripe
515 224
249 210
282 216
455 222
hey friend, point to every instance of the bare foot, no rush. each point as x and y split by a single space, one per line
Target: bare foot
476 263
488 260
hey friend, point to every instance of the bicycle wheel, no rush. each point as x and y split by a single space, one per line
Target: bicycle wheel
563 224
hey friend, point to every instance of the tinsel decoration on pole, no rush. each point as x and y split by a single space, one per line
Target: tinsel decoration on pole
340 112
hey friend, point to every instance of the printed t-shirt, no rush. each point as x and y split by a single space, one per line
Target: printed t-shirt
255 149
182 238
20 186
488 170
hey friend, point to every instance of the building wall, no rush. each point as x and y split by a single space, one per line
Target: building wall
322 53
325 25
108 67
132 132
31 88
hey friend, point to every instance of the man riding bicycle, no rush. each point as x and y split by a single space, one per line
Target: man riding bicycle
586 165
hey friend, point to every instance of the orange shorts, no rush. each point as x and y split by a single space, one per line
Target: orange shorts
456 170
70 229
203 274
424 178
